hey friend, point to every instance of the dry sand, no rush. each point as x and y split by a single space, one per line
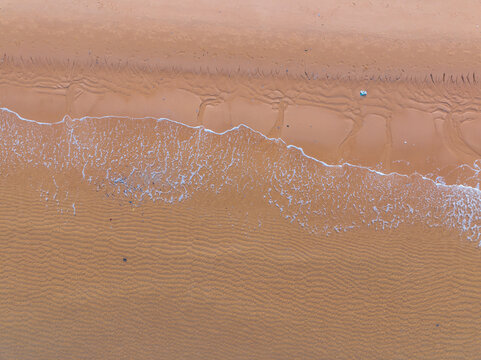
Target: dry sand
128 237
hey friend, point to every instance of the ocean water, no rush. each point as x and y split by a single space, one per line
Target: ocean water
151 159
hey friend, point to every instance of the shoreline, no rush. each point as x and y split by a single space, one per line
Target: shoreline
288 146
400 126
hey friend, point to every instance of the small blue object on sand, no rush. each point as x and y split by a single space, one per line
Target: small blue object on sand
363 93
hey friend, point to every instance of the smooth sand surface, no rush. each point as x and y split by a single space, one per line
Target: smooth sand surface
128 237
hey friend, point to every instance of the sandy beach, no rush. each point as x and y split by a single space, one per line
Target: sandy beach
203 180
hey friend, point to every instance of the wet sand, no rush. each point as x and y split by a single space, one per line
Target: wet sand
203 180
402 125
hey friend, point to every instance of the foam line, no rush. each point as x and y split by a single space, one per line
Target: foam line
289 146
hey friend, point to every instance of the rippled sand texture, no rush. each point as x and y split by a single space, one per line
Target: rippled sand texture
201 179
144 238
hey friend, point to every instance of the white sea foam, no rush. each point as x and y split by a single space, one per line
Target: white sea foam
439 181
162 159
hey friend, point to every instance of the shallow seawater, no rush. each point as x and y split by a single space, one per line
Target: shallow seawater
161 160
144 238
